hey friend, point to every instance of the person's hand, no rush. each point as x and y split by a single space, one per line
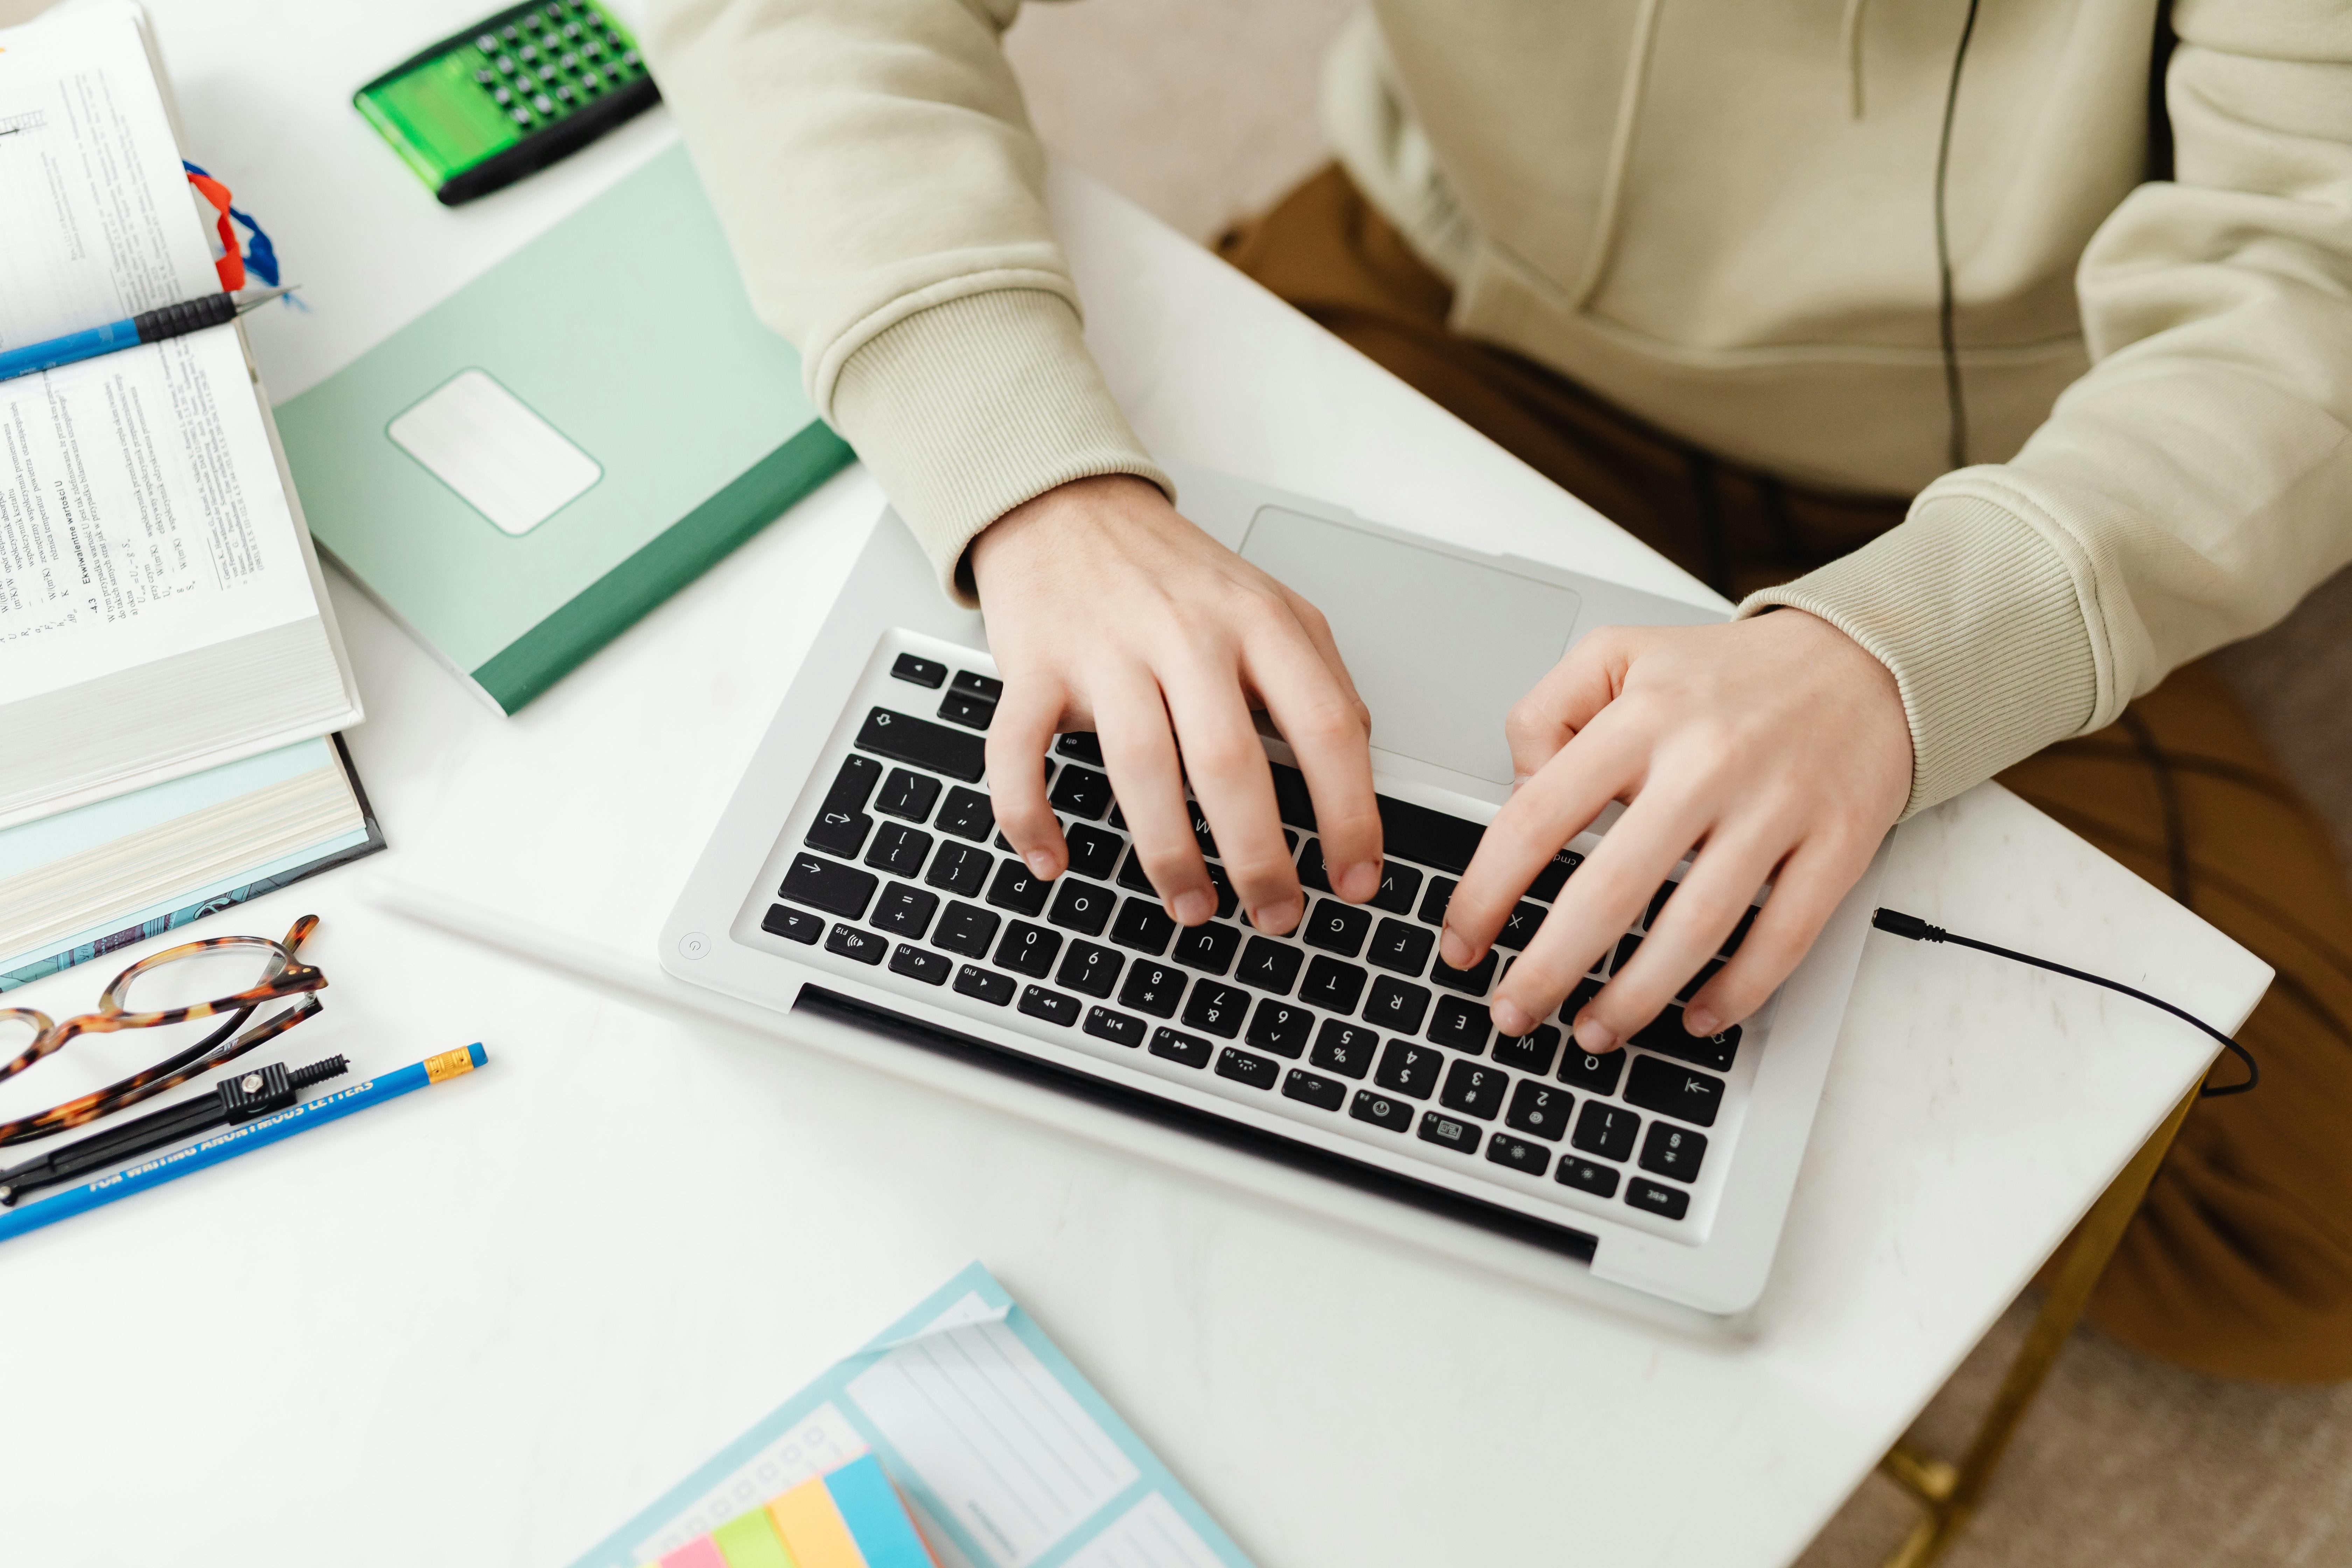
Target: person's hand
1776 746
1107 611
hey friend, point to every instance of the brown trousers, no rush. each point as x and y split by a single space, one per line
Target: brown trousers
2241 1262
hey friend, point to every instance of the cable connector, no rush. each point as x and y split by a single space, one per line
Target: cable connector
1894 922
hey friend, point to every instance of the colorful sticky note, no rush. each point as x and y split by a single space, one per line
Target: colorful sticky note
849 1518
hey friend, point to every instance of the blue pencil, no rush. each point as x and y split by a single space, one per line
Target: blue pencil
149 327
239 1140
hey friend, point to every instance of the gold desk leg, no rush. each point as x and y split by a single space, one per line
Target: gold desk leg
1948 1492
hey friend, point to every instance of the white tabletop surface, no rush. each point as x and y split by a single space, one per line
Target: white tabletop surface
488 1323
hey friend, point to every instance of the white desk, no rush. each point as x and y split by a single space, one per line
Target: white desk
483 1326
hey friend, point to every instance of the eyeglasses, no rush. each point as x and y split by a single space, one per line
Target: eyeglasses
224 976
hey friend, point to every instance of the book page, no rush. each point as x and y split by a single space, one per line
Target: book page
140 513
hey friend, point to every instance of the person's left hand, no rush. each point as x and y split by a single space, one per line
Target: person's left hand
1774 749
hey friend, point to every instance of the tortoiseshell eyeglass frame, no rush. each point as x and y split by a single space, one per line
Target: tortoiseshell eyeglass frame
286 975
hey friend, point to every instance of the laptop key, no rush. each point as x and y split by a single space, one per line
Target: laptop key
908 796
1427 838
920 963
966 929
1028 950
1323 1093
1082 792
1657 905
1670 1203
921 671
987 984
962 707
1593 1074
1400 885
1227 899
899 849
1658 1085
960 868
1142 925
987 688
1093 852
1014 888
1281 1027
839 832
1539 1109
1627 946
1471 981
1402 947
1409 1068
1091 969
1053 1006
1201 833
968 815
1216 1009
792 925
1396 1006
1208 948
852 786
1336 927
1606 1130
1380 1110
1152 988
1291 802
828 885
905 911
1555 875
1531 1052
1520 926
920 743
1449 1133
1577 999
1080 746
1312 873
1674 1152
1706 972
1189 1049
1258 1072
1461 1024
1665 1035
1119 1028
1529 1159
1433 902
1134 878
1586 1176
1081 906
1269 965
1332 985
1474 1089
1740 932
863 946
1344 1048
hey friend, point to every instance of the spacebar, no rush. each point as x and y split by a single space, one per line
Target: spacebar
1427 838
925 745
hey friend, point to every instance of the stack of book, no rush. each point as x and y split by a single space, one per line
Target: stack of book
170 676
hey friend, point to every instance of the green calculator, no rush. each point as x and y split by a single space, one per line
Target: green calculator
510 94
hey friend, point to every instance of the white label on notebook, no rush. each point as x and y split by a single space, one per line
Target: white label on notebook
1151 1534
488 446
995 1436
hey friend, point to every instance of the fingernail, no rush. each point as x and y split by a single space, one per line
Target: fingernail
1510 1018
1041 865
1359 881
1595 1036
1275 919
1194 907
1700 1021
1454 950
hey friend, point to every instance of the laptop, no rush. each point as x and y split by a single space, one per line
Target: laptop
857 875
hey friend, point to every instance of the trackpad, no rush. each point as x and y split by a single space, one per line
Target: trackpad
1439 647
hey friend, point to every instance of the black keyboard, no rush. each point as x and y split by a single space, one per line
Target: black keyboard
1352 1017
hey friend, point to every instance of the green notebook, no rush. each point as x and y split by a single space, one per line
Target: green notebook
526 469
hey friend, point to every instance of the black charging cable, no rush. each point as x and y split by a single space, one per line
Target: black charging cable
1894 922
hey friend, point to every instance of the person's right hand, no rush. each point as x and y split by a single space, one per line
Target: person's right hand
1107 611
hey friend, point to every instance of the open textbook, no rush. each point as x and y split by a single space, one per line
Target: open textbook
160 609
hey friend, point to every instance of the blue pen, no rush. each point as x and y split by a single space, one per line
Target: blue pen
239 1140
147 326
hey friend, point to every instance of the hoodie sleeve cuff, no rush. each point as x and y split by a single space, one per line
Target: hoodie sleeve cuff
967 409
1979 615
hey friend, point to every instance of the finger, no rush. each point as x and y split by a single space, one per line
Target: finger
1599 904
1140 750
1720 885
1228 770
1023 727
1325 727
1561 802
1570 696
1317 627
1805 892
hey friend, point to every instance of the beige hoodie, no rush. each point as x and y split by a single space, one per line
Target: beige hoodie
1719 215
